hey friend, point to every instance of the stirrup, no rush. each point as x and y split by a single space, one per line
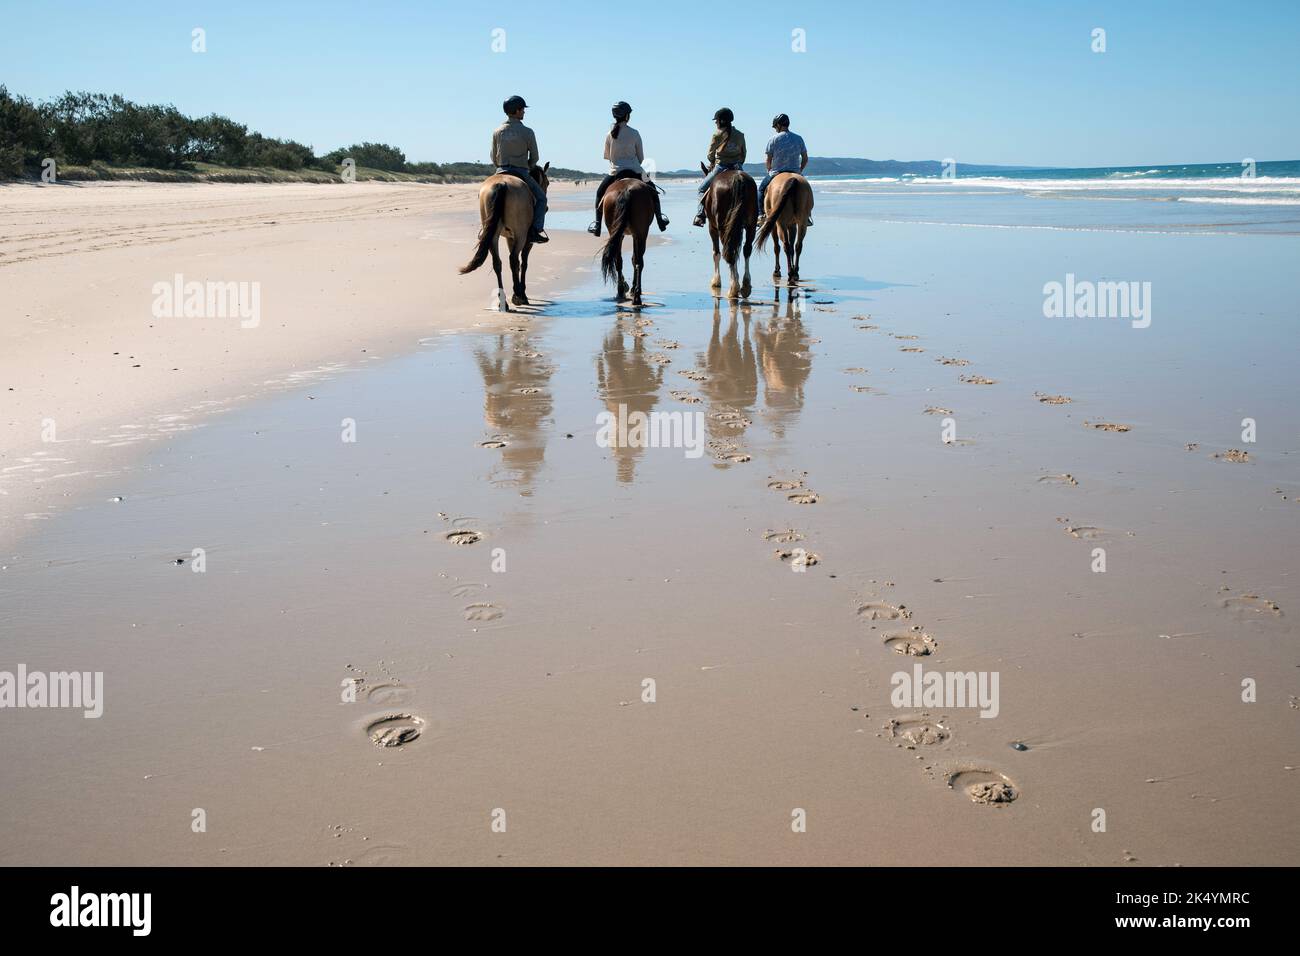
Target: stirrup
594 228
537 238
698 220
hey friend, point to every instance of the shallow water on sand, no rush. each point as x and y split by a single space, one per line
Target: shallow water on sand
520 656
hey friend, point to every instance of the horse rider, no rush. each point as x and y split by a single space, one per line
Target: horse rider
514 151
786 153
625 154
726 151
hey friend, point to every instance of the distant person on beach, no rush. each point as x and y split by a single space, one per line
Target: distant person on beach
625 154
514 151
786 153
726 151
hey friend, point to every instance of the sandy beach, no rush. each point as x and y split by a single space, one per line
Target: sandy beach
464 630
86 361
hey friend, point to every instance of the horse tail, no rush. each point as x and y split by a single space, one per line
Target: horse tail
496 205
769 224
610 254
732 226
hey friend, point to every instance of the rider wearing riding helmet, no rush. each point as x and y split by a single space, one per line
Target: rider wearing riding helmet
726 151
514 151
786 153
624 152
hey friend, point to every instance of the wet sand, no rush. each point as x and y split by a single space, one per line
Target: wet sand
85 359
520 652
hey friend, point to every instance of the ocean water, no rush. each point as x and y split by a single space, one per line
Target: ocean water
1194 198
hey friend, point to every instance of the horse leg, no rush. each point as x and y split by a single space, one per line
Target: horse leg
523 274
802 230
746 287
776 253
502 304
716 283
638 262
622 283
518 297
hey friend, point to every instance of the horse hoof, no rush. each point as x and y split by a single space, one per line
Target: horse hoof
520 300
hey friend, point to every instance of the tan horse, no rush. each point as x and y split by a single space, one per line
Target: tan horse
788 205
731 205
505 208
628 205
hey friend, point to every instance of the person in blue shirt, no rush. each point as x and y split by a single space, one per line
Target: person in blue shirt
786 153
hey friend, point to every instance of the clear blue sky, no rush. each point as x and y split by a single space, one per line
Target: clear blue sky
995 82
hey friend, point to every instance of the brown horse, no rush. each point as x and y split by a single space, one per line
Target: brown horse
628 205
505 208
731 205
788 205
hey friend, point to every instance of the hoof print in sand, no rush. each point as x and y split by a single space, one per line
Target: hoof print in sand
882 611
984 786
388 695
788 536
976 380
730 418
1235 455
804 497
785 484
1108 426
395 730
945 360
796 556
1250 604
496 441
464 536
938 410
910 348
481 611
695 375
1052 399
684 396
913 643
919 731
1066 479
1084 532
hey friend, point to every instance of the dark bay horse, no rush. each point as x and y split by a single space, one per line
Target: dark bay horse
627 206
788 206
731 205
505 208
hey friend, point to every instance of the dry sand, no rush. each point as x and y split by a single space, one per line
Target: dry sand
348 275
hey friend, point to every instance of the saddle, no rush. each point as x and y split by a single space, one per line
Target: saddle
633 174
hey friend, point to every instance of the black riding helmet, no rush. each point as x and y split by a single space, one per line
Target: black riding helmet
779 120
725 115
513 104
621 110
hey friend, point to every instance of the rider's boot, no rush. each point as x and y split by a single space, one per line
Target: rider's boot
537 237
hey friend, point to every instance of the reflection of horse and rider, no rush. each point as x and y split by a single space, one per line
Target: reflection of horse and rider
512 201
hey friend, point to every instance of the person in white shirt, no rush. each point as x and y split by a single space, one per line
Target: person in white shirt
625 154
